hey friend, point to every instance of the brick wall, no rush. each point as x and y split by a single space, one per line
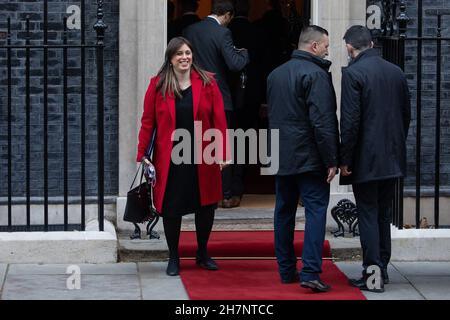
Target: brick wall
429 93
18 10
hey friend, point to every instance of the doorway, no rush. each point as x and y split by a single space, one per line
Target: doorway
295 14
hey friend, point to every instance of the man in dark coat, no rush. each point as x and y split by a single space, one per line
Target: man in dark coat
215 52
375 116
302 106
214 48
245 88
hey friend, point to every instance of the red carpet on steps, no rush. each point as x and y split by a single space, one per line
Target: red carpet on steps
240 244
245 279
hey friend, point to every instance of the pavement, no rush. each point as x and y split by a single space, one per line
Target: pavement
147 281
140 275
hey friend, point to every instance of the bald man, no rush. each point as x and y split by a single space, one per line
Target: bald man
302 106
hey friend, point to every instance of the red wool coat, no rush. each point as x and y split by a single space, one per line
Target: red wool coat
159 113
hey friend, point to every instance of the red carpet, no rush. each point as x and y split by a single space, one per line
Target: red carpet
240 244
253 279
259 280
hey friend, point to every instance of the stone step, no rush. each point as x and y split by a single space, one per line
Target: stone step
145 250
242 218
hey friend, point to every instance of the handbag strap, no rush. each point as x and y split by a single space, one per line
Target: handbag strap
152 144
135 176
149 153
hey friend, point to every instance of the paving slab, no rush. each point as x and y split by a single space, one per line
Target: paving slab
156 285
353 270
163 289
152 270
432 287
3 268
86 269
423 268
398 291
399 287
54 287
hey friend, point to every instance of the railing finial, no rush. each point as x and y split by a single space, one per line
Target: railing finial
100 26
402 19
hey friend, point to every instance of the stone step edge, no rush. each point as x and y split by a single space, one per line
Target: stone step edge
159 251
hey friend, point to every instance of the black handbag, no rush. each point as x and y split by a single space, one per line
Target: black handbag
139 207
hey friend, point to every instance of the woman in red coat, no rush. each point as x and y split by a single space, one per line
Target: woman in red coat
185 99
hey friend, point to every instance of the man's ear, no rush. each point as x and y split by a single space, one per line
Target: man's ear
314 45
349 47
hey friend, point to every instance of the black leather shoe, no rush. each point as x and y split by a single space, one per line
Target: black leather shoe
361 284
173 267
385 275
315 285
207 263
358 283
294 279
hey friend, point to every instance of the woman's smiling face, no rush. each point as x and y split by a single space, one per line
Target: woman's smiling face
182 60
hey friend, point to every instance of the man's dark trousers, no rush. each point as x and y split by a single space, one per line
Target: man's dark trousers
315 193
374 204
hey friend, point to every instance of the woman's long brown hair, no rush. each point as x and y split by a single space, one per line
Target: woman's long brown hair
168 83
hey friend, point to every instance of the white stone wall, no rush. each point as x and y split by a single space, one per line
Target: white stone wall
143 32
143 29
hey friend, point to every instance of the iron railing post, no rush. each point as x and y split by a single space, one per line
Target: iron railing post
8 52
438 124
419 113
100 28
28 125
45 116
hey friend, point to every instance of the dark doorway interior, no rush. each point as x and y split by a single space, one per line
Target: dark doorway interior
279 24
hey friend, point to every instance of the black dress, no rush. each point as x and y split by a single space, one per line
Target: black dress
182 195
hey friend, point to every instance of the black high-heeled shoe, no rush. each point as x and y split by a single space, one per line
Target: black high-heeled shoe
206 263
173 267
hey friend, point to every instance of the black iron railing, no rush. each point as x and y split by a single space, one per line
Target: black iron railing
394 42
46 48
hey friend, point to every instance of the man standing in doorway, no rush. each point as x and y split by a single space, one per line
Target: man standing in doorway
302 106
245 86
215 52
375 116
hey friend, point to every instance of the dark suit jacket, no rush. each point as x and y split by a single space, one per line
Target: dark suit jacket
302 106
215 52
375 116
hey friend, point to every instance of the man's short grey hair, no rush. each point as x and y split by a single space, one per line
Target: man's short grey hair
311 34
